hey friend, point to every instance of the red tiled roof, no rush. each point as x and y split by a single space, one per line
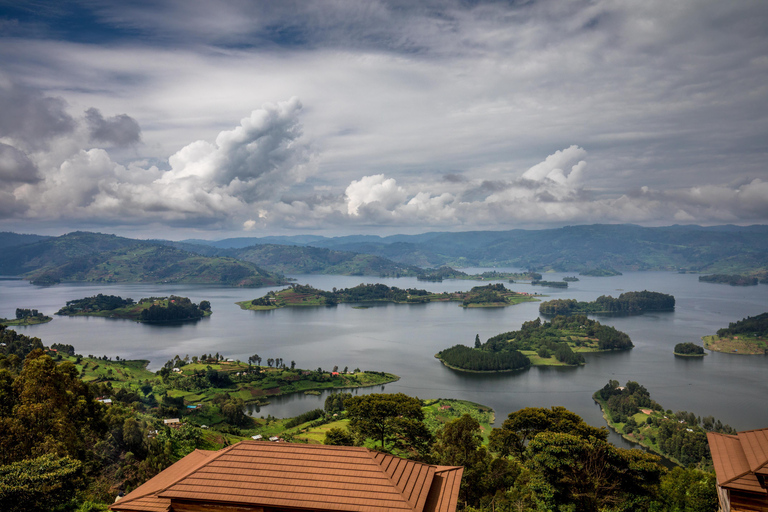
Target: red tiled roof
317 477
737 458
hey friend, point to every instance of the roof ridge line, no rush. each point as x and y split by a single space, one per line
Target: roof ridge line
432 466
737 477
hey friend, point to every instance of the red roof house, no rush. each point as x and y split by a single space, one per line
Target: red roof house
253 476
741 466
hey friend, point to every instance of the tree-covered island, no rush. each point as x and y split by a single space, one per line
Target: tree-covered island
558 342
689 350
600 272
26 317
149 310
491 295
445 272
628 303
731 279
747 336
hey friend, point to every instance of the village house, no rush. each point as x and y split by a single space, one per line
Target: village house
741 466
253 476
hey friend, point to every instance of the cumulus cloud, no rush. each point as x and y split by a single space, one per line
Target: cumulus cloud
120 130
31 119
205 183
373 190
15 166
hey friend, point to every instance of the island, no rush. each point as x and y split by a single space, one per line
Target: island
559 342
628 303
689 350
26 317
570 279
731 279
445 272
150 310
550 284
600 272
491 295
680 436
747 336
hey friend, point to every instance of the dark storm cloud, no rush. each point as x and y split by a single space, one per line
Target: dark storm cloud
121 130
16 167
31 118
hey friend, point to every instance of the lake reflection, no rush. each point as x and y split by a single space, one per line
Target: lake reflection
402 339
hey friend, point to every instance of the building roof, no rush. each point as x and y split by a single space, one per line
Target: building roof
738 459
297 476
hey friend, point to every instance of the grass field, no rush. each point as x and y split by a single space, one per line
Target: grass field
748 344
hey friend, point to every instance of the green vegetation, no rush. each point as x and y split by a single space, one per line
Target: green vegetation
445 272
94 257
629 303
731 279
550 284
570 279
600 272
149 310
681 436
558 342
689 350
26 317
747 336
492 295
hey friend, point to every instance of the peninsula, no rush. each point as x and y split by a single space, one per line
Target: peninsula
150 310
747 336
491 295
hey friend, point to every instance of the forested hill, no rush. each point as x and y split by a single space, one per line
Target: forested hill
572 248
95 257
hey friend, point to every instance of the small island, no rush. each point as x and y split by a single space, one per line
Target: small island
570 279
748 336
149 310
550 284
689 350
559 342
628 303
491 295
600 272
26 317
731 279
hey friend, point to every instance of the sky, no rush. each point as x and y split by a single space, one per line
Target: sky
191 118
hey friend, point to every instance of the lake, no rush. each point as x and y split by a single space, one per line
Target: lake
402 339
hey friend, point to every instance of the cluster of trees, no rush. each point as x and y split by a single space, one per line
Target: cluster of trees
22 313
550 284
731 279
539 459
628 303
177 309
688 349
98 302
466 358
757 325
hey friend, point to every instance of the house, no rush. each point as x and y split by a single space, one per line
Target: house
172 422
253 476
741 466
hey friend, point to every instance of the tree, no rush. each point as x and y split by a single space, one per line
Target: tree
570 472
689 490
523 425
270 361
477 341
389 418
293 365
339 437
39 484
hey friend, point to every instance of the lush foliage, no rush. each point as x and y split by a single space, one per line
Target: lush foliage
96 303
466 358
39 484
629 303
731 279
757 325
173 309
689 349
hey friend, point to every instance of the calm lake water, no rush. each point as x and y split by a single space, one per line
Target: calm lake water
402 339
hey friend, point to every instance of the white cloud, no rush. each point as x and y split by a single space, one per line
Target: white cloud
373 189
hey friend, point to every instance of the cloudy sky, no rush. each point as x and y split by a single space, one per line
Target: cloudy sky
184 118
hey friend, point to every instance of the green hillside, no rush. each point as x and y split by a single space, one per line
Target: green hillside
94 257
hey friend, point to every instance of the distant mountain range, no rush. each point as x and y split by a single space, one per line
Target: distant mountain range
573 248
95 257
